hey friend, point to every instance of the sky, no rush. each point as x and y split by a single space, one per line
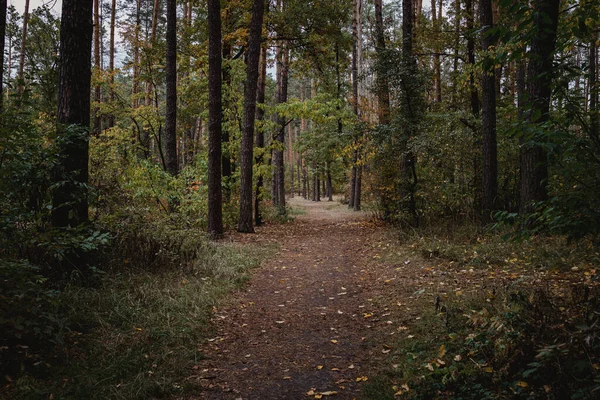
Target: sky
33 4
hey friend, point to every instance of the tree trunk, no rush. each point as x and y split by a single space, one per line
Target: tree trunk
488 113
215 196
254 50
225 137
136 56
471 57
171 83
111 66
358 188
260 136
280 137
437 65
69 198
534 162
329 183
383 90
593 90
97 127
2 37
20 76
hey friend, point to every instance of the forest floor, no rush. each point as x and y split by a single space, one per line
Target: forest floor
311 322
348 309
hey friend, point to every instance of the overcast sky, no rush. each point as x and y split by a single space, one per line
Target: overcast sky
33 4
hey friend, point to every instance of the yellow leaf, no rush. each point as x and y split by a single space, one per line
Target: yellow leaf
442 351
362 379
329 393
459 293
489 370
334 341
522 384
319 367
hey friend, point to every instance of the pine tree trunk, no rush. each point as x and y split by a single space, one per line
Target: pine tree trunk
488 114
534 160
329 182
2 38
254 50
97 127
471 58
111 66
260 136
437 65
215 196
593 90
279 180
20 75
136 56
69 198
383 90
172 163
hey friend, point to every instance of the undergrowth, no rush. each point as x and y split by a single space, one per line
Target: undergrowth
534 334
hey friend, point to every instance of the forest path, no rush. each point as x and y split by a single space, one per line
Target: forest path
307 323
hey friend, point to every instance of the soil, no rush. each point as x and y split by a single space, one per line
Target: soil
306 324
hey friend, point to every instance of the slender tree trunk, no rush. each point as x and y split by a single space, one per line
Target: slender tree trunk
2 38
534 162
69 198
437 65
358 189
225 137
593 84
136 56
280 137
20 75
260 136
111 66
329 182
383 90
215 196
455 72
171 84
488 113
471 57
97 127
254 50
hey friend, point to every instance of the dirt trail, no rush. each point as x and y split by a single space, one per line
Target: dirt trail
304 325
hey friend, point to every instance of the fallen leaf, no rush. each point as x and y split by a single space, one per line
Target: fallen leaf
362 379
329 393
522 384
319 367
442 351
334 341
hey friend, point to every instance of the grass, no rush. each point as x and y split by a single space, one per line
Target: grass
136 335
535 337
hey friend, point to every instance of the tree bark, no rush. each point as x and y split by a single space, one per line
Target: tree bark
2 37
254 50
215 195
534 162
383 90
136 56
171 84
471 57
97 127
488 113
260 136
437 65
111 61
20 75
280 137
69 198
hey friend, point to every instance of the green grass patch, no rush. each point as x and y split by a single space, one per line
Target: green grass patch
135 334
